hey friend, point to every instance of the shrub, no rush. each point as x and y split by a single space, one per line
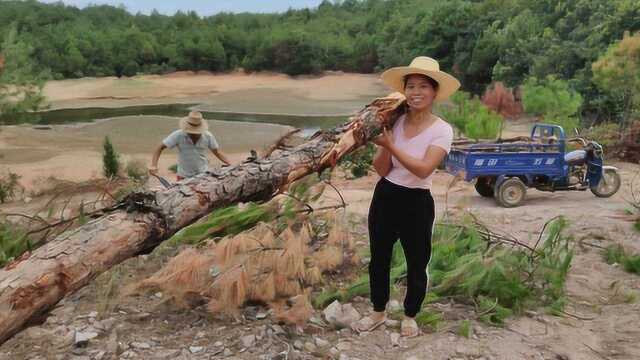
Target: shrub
553 100
472 118
110 159
13 242
9 185
136 169
501 100
359 162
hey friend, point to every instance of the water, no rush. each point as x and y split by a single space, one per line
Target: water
66 116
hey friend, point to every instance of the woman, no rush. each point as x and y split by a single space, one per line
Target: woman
402 206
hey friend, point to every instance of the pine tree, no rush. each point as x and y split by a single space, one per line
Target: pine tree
110 159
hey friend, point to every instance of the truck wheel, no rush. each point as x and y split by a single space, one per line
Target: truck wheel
609 184
511 192
484 186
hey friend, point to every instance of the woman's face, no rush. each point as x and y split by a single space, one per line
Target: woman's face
419 92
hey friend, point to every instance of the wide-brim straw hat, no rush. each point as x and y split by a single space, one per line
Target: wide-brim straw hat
447 84
194 123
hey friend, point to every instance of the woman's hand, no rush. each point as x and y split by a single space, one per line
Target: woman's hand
385 139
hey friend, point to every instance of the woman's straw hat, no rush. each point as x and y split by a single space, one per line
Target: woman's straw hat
424 65
194 123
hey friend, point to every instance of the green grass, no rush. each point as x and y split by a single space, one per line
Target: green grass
465 328
616 254
501 281
13 242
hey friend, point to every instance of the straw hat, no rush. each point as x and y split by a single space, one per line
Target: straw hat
424 65
194 123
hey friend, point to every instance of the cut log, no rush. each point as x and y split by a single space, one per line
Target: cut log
31 285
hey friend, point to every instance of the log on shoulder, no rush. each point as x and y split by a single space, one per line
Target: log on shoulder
32 284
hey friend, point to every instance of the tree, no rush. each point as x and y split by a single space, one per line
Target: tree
20 82
110 159
553 100
617 72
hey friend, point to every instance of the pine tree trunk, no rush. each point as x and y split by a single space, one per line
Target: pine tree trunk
31 285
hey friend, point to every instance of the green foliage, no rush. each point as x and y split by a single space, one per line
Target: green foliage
428 318
137 170
472 118
20 82
9 185
616 254
238 218
617 73
359 162
553 100
465 329
13 242
502 281
110 159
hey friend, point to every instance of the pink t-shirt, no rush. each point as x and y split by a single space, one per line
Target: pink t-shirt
438 134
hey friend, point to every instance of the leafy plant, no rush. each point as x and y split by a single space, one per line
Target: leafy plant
9 185
359 162
13 242
472 118
616 254
553 100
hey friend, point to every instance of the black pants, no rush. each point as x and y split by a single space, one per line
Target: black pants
398 212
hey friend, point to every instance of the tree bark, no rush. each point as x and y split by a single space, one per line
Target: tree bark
32 284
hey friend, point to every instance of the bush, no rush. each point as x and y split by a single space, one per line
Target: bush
553 100
616 254
472 118
9 185
501 100
136 169
110 160
359 162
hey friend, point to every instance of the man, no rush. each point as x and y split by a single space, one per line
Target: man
193 142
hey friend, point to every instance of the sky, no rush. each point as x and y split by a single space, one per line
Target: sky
202 7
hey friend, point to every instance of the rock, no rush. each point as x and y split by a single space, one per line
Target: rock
310 347
167 354
99 355
143 316
298 345
277 329
261 315
37 332
340 315
412 358
27 199
158 295
93 314
105 325
248 340
392 323
140 345
200 334
227 352
395 339
334 351
196 349
321 343
343 357
81 339
218 344
343 346
394 305
129 354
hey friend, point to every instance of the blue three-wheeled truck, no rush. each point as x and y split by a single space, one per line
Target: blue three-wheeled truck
505 170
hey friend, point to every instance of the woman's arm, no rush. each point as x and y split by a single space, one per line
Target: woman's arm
421 168
382 161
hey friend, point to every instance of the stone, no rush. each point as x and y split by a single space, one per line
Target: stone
395 339
310 347
105 325
343 357
248 340
218 344
200 334
343 346
196 349
99 355
321 343
168 354
394 305
140 345
340 316
261 315
129 354
277 329
81 339
392 323
334 351
227 352
158 295
298 345
93 314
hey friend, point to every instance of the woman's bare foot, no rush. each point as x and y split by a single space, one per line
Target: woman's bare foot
409 327
370 322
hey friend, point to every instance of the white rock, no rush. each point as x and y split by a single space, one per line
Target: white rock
394 305
82 338
298 345
340 315
218 344
158 295
277 329
140 345
392 323
248 340
129 354
99 355
321 343
227 352
261 315
167 354
196 349
395 339
343 346
93 314
343 357
310 347
200 334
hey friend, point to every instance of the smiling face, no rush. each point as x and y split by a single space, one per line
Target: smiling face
420 91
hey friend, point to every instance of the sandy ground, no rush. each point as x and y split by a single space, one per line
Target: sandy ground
599 323
333 93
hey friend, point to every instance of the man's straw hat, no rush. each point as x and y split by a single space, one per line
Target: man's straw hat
424 65
194 123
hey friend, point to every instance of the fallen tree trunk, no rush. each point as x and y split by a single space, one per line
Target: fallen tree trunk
32 284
